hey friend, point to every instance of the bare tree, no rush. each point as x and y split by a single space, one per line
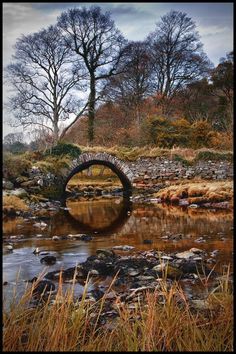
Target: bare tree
12 138
44 75
177 54
94 37
223 90
132 85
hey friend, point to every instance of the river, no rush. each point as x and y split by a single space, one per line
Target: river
112 221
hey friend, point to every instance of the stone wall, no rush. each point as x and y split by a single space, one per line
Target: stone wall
158 169
148 171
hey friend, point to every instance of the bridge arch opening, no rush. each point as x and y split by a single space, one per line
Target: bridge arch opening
126 183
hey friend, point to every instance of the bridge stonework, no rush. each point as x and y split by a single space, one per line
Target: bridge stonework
104 157
88 159
148 171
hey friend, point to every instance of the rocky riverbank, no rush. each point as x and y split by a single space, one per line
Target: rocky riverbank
131 277
200 193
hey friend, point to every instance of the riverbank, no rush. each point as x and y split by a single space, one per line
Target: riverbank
155 273
196 193
46 176
159 319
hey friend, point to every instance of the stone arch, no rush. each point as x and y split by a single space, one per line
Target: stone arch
117 166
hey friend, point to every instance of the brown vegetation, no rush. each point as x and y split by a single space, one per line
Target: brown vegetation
11 202
170 325
198 192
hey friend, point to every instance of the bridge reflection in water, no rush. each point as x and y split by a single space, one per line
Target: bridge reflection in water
98 216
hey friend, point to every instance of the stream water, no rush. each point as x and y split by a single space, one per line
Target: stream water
111 222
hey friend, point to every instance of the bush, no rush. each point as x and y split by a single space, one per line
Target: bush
214 156
15 165
54 165
179 158
13 202
64 149
200 134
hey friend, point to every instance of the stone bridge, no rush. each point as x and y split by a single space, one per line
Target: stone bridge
143 171
120 168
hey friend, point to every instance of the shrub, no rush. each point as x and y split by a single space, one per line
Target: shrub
200 134
11 201
222 140
214 156
17 147
54 165
181 131
15 165
182 160
64 149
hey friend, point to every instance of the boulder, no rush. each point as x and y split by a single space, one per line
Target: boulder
48 260
19 192
185 255
105 252
43 286
7 184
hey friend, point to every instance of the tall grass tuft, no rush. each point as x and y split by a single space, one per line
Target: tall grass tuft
165 321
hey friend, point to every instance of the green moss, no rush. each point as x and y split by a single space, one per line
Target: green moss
182 160
15 165
214 156
53 191
64 149
55 165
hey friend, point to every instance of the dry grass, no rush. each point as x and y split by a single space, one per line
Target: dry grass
132 153
100 176
53 164
13 202
200 191
67 325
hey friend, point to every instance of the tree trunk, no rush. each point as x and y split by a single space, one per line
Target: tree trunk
91 109
55 134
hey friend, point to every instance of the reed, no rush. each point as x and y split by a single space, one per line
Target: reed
165 321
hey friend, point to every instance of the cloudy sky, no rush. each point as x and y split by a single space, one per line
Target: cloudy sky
214 22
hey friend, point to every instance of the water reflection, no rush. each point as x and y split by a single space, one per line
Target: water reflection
116 221
98 216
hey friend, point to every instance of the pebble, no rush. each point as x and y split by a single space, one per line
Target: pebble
159 267
41 225
196 250
55 238
123 248
145 277
214 253
43 253
199 240
147 242
185 255
133 272
49 260
166 258
43 286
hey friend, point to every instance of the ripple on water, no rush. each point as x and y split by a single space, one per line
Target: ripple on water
146 221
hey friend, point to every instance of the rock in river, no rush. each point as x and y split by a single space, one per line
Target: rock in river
49 260
123 248
43 286
147 242
185 255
